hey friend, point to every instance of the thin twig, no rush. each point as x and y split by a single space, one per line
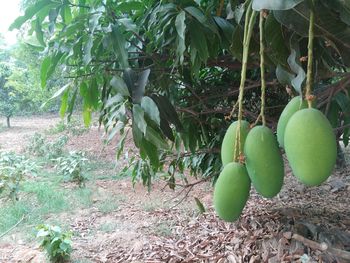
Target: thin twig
322 246
11 228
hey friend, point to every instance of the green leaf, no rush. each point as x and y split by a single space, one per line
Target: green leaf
237 43
152 152
201 18
274 4
275 43
139 118
200 205
71 104
94 93
124 6
58 93
180 29
140 86
87 116
87 50
343 102
66 14
165 107
120 86
64 103
198 41
226 27
155 138
53 64
118 41
151 108
31 11
38 32
130 78
45 65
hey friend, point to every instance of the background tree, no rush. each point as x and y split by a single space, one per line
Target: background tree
170 69
20 90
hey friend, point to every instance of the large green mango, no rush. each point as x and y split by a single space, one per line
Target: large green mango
264 161
231 191
292 107
229 141
310 146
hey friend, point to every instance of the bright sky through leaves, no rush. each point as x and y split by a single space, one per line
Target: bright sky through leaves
9 11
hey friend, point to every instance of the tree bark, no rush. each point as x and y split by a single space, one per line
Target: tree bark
8 121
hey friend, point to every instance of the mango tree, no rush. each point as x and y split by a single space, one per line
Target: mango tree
170 70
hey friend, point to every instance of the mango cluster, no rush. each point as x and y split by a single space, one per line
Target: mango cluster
263 168
310 145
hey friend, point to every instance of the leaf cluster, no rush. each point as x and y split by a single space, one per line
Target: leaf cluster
58 244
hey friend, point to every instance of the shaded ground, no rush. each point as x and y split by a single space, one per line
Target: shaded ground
122 224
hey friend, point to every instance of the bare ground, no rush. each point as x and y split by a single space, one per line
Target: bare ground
146 227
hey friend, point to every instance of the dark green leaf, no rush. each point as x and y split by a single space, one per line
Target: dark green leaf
275 43
155 138
129 6
343 102
119 47
152 152
275 4
140 85
139 118
120 86
151 108
180 28
165 107
87 50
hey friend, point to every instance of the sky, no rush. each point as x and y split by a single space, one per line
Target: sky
9 11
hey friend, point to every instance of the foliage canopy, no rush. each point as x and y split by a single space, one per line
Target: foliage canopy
170 69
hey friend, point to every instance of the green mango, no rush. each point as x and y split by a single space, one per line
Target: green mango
292 107
310 146
264 161
231 191
229 141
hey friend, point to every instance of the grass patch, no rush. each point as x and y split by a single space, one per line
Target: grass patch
83 197
107 206
12 213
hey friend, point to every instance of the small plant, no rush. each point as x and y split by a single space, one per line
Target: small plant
37 145
72 167
55 149
58 244
74 127
13 169
40 147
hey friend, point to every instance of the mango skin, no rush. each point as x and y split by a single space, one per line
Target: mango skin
310 146
292 107
264 161
229 141
231 191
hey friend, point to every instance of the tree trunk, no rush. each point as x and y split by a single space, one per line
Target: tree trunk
8 121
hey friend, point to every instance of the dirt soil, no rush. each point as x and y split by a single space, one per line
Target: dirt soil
299 225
